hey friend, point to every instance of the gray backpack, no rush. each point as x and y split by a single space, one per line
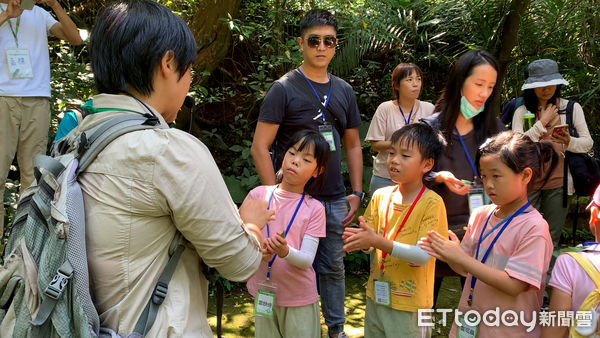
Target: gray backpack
44 281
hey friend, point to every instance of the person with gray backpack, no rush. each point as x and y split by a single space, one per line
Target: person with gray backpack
139 204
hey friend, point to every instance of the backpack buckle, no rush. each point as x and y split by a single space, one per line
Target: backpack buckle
58 283
160 292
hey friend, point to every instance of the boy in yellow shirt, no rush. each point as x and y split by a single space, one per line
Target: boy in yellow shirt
402 274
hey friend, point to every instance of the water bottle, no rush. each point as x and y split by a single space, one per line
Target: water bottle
528 121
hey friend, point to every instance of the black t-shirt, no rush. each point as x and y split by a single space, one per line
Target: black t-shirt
292 109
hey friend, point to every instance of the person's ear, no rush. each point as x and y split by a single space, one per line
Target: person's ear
299 40
318 171
428 165
167 64
527 175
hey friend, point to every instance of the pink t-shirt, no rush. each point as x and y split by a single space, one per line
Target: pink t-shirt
568 276
523 251
295 286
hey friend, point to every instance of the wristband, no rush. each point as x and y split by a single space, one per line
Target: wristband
360 194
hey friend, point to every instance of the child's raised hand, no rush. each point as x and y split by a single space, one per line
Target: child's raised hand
442 248
359 238
425 244
278 245
349 231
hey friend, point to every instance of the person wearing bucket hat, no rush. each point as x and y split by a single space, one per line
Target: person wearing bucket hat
541 97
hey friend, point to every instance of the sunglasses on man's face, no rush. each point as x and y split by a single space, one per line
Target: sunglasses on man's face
314 41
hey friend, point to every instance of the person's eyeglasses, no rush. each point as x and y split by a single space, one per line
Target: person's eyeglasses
329 41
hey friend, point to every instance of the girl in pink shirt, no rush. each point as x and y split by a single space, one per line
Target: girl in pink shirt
507 248
285 287
570 282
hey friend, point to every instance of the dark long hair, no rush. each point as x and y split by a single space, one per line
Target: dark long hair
518 152
530 100
448 105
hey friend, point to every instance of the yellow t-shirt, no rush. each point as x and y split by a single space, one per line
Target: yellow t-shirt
411 286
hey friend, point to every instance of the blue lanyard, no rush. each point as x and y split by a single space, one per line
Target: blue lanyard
270 264
406 122
317 94
505 223
475 174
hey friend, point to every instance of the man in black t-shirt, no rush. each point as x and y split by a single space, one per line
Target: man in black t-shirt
311 98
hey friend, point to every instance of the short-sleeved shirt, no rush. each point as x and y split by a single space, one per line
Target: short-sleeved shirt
386 120
32 35
295 286
411 286
568 276
454 160
523 251
292 109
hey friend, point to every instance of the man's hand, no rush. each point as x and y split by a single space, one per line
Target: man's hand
13 9
254 211
354 202
267 254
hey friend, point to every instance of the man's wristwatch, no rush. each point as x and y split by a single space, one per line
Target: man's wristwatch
360 194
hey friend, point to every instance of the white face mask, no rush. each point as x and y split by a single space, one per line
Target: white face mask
467 109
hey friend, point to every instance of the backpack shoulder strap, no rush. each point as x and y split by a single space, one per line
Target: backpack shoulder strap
569 116
94 140
148 316
587 267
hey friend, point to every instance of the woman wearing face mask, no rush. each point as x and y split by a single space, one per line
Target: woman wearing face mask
394 114
464 114
541 97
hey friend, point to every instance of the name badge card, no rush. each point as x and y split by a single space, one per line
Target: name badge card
19 63
382 292
265 299
477 198
466 330
327 131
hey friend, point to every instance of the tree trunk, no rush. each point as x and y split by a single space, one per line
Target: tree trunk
508 39
212 34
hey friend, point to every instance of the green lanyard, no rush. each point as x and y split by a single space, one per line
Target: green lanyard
14 31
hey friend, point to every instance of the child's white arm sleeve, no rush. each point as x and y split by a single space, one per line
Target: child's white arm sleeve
304 257
410 253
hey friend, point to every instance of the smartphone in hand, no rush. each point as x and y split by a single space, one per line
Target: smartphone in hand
559 130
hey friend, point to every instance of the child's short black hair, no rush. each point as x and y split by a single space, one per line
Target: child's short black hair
317 17
308 138
429 141
128 41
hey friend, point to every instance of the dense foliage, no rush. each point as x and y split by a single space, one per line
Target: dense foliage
374 35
